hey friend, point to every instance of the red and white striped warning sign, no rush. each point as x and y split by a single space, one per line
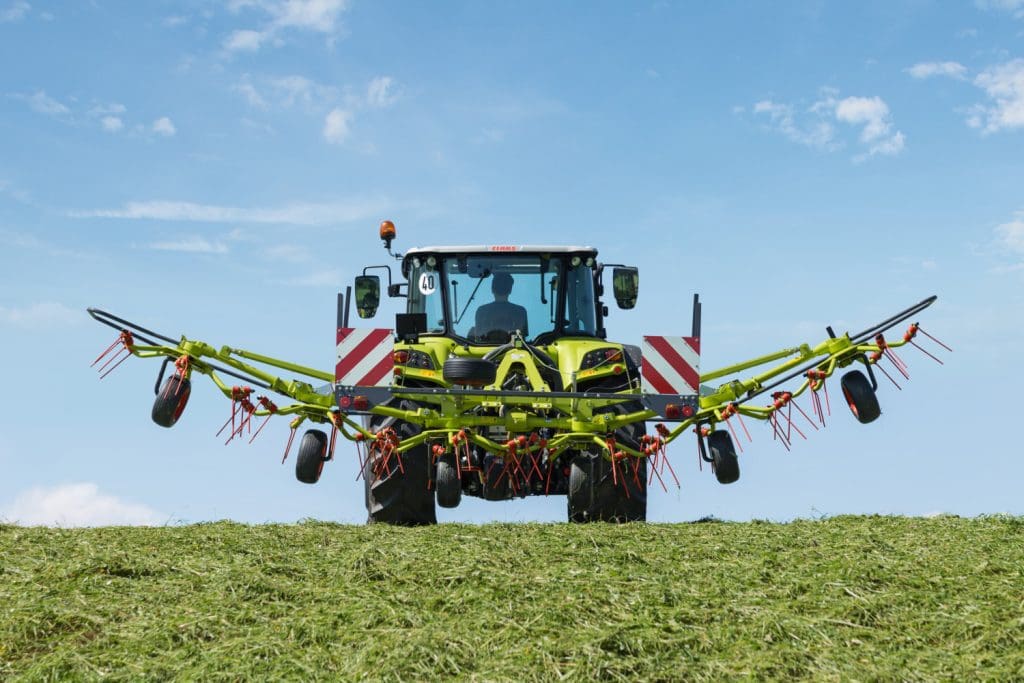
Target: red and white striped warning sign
365 356
671 365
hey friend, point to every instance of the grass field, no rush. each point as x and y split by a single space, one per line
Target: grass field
847 598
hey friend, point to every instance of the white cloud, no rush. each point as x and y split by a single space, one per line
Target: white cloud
295 88
252 95
292 214
7 188
111 124
818 133
164 126
1010 235
814 127
313 15
174 21
378 93
286 91
319 16
113 108
42 103
336 126
191 245
14 11
1014 7
929 69
40 315
73 505
1004 85
244 41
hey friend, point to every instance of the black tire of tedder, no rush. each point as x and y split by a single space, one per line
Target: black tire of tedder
860 397
475 372
447 482
723 457
595 495
402 498
170 402
312 455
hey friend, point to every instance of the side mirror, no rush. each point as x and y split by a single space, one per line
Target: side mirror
625 284
367 295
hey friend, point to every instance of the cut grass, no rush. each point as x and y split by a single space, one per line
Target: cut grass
847 598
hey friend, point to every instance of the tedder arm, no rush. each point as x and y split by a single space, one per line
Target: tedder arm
571 420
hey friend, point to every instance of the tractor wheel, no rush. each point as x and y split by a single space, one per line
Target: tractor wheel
312 456
171 401
723 457
860 397
399 495
598 494
475 372
447 482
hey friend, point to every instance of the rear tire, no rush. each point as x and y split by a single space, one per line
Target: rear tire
860 397
171 401
723 457
311 458
401 496
447 482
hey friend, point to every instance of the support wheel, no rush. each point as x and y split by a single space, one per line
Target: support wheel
170 402
448 482
312 456
860 397
723 457
400 495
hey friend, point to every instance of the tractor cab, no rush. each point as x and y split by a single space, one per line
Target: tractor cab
487 295
482 296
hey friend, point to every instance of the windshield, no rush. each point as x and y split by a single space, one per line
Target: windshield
492 296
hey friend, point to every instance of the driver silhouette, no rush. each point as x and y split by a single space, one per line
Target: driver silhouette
501 315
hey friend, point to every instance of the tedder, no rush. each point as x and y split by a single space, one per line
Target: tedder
499 382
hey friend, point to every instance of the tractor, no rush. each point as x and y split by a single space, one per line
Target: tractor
499 382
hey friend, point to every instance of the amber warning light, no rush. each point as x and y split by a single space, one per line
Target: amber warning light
387 233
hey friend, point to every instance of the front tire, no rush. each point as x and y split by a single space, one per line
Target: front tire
598 495
401 495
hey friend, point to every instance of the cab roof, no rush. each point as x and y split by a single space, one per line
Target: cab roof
502 249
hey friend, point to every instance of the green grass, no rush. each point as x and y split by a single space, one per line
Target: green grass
841 599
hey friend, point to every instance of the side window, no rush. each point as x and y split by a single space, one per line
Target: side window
425 286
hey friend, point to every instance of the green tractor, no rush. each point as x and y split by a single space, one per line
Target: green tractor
498 382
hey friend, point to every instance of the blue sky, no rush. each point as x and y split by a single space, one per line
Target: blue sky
218 169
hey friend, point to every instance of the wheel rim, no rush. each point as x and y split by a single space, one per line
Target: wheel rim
850 402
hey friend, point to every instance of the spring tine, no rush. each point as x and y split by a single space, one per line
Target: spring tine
926 352
809 420
889 376
934 339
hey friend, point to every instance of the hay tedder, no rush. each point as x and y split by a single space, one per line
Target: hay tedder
499 382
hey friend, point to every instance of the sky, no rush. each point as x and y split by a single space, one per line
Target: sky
219 169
